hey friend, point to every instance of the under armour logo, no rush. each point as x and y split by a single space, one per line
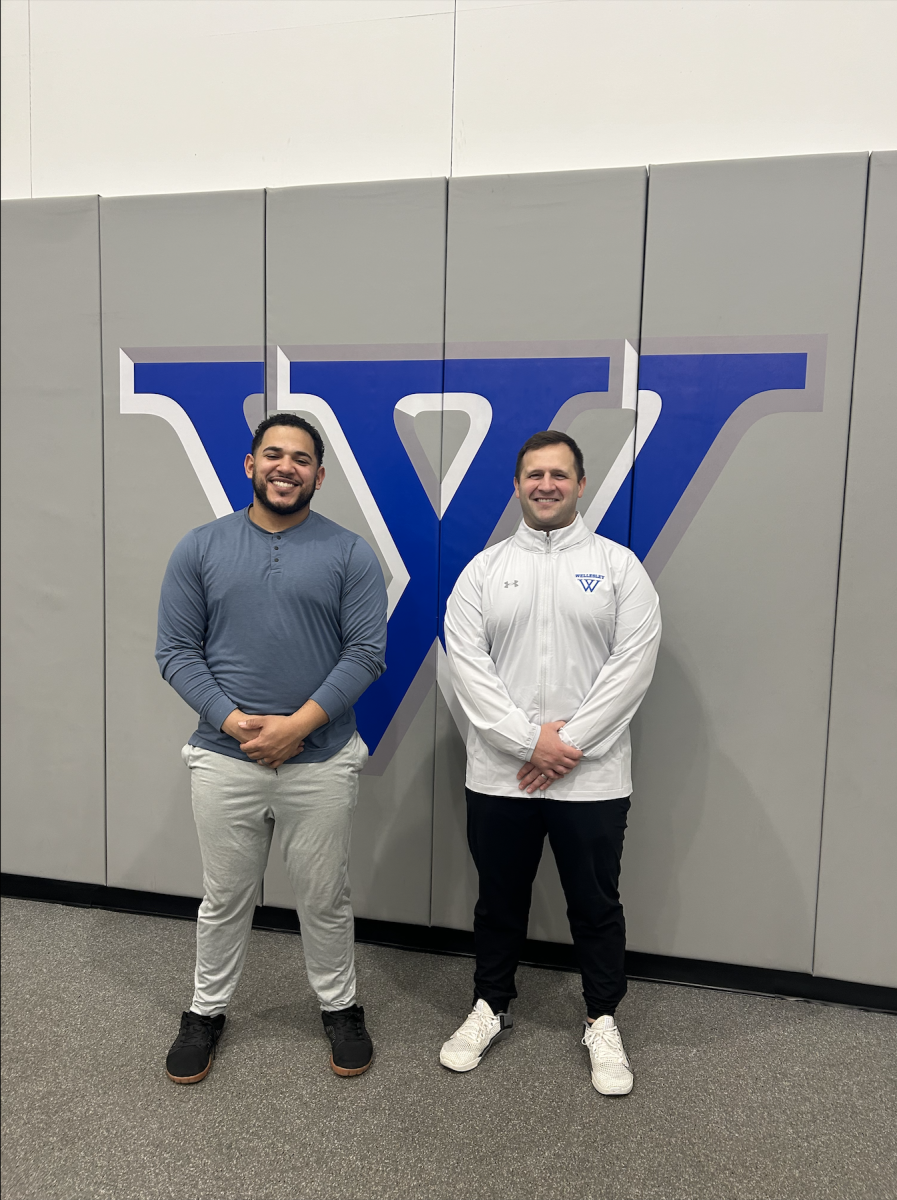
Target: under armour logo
511 583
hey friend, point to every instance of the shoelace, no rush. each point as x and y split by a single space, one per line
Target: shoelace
605 1039
195 1033
349 1026
475 1027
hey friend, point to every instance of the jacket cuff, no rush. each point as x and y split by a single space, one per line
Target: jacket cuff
565 737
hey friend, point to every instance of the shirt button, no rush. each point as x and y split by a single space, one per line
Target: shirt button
277 560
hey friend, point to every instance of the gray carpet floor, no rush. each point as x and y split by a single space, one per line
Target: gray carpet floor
736 1097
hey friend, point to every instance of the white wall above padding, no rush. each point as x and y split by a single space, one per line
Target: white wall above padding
139 96
557 86
15 122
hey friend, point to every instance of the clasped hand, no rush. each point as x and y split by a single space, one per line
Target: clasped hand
551 760
269 740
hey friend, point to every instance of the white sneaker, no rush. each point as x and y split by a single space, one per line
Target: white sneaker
611 1069
482 1029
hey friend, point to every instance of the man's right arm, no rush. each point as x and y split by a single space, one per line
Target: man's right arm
181 636
483 696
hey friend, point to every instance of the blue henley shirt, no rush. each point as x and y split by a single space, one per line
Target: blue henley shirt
265 621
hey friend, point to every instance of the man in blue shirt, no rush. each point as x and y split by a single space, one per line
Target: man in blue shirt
272 622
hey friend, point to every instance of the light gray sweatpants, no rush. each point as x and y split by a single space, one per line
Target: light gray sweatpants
236 806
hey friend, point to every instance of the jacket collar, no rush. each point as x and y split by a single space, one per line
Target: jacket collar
559 539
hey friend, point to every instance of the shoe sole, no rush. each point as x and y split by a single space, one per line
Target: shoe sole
473 1066
615 1092
346 1072
190 1078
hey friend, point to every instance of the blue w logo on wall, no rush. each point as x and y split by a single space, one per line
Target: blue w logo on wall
691 409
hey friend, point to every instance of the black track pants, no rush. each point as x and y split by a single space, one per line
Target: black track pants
506 835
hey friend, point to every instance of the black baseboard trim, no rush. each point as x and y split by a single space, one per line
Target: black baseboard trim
433 939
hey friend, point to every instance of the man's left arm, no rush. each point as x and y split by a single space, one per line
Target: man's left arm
620 687
360 663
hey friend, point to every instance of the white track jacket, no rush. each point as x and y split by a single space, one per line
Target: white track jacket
559 626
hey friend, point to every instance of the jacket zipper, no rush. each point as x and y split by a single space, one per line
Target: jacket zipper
544 648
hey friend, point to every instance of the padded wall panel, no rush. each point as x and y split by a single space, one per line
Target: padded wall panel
52 512
355 323
183 336
750 298
543 292
856 930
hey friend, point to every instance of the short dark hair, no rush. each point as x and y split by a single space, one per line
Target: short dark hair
289 419
550 437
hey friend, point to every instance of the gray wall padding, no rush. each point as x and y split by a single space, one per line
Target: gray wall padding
52 512
856 929
733 806
730 761
537 264
356 270
178 271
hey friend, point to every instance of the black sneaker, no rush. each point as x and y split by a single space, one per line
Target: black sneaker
353 1050
190 1058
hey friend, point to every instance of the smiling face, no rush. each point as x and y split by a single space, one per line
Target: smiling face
284 471
548 488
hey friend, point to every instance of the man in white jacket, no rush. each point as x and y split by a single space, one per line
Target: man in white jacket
551 636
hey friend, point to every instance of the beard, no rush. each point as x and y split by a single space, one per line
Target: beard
287 508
